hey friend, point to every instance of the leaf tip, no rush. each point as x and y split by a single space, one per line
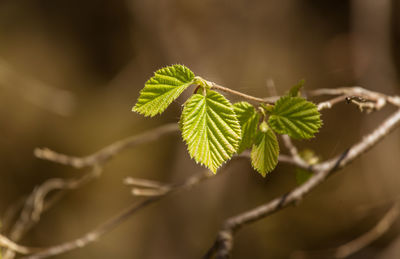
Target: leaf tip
213 170
265 152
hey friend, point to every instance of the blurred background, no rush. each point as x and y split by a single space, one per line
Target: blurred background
70 72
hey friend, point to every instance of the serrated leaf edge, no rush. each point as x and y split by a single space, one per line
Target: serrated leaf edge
223 144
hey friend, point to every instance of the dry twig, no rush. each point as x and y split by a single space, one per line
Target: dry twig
107 152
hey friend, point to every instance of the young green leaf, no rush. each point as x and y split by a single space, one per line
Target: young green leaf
296 117
210 128
162 89
295 90
265 152
302 175
310 158
248 119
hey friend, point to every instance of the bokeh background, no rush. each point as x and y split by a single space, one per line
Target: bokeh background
70 71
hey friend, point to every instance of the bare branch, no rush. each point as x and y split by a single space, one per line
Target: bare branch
245 96
299 162
107 152
7 243
224 242
131 181
290 146
378 98
145 187
330 103
36 203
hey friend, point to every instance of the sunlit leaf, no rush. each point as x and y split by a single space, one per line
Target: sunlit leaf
265 151
248 119
295 90
162 89
296 117
210 128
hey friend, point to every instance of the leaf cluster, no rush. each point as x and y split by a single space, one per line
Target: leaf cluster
214 129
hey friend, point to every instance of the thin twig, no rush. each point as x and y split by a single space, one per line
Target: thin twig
146 192
290 146
330 103
245 96
11 213
5 242
379 98
131 181
107 152
36 204
294 152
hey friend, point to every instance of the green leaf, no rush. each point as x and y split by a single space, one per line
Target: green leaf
162 89
309 156
265 152
267 107
295 90
296 117
302 175
210 128
248 118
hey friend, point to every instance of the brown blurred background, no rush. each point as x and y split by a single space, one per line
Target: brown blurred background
70 71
